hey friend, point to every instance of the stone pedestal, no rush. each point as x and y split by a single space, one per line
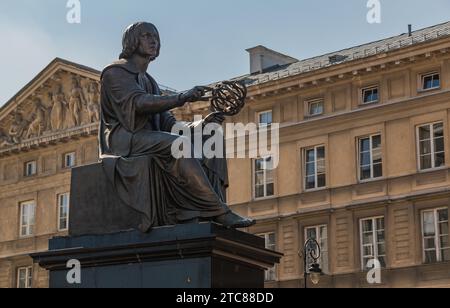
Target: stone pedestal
95 207
202 255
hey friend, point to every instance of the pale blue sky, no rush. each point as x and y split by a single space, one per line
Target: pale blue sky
202 40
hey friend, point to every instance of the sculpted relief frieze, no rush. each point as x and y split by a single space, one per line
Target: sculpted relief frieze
66 101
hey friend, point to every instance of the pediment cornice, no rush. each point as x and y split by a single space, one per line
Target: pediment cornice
62 100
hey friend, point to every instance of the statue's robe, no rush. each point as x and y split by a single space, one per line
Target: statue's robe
135 150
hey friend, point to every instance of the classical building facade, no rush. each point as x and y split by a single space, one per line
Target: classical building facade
364 161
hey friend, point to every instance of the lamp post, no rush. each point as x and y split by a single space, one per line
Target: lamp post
311 249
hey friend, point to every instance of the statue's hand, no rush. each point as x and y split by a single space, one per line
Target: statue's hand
194 95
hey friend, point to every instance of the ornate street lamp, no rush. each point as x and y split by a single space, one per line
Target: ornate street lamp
311 250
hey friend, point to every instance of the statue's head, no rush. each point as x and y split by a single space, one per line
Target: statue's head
141 38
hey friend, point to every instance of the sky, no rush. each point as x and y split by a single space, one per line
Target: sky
203 41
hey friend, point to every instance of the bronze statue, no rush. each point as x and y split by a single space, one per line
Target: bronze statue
135 143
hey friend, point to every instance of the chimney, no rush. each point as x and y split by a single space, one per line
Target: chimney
262 58
409 30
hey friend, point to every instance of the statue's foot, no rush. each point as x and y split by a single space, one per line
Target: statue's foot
232 220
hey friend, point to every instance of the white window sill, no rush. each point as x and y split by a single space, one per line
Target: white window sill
264 198
315 189
369 103
428 90
431 170
372 180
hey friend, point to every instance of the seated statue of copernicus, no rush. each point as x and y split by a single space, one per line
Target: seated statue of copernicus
136 141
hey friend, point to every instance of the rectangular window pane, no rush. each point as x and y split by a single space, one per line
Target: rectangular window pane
365 172
439 160
310 169
445 255
367 225
321 180
425 162
444 242
428 224
430 243
310 156
259 191
376 156
430 257
376 142
439 145
260 178
310 182
424 133
270 190
320 153
311 233
365 159
377 171
21 278
365 145
443 215
438 129
425 147
265 118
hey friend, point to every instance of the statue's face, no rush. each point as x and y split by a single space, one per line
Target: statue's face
149 43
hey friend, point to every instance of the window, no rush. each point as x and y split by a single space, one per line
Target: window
370 95
271 274
370 158
315 107
265 118
69 160
320 234
27 218
63 212
431 81
30 168
436 246
24 277
431 146
264 181
373 244
315 175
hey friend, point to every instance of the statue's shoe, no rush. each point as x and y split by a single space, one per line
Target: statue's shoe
232 220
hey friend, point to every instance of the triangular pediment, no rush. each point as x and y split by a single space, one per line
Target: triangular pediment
60 101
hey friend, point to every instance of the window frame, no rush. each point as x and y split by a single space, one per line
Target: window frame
429 74
266 183
375 251
437 234
432 147
258 116
310 102
370 88
319 240
30 228
28 277
372 165
316 174
59 199
32 163
73 156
